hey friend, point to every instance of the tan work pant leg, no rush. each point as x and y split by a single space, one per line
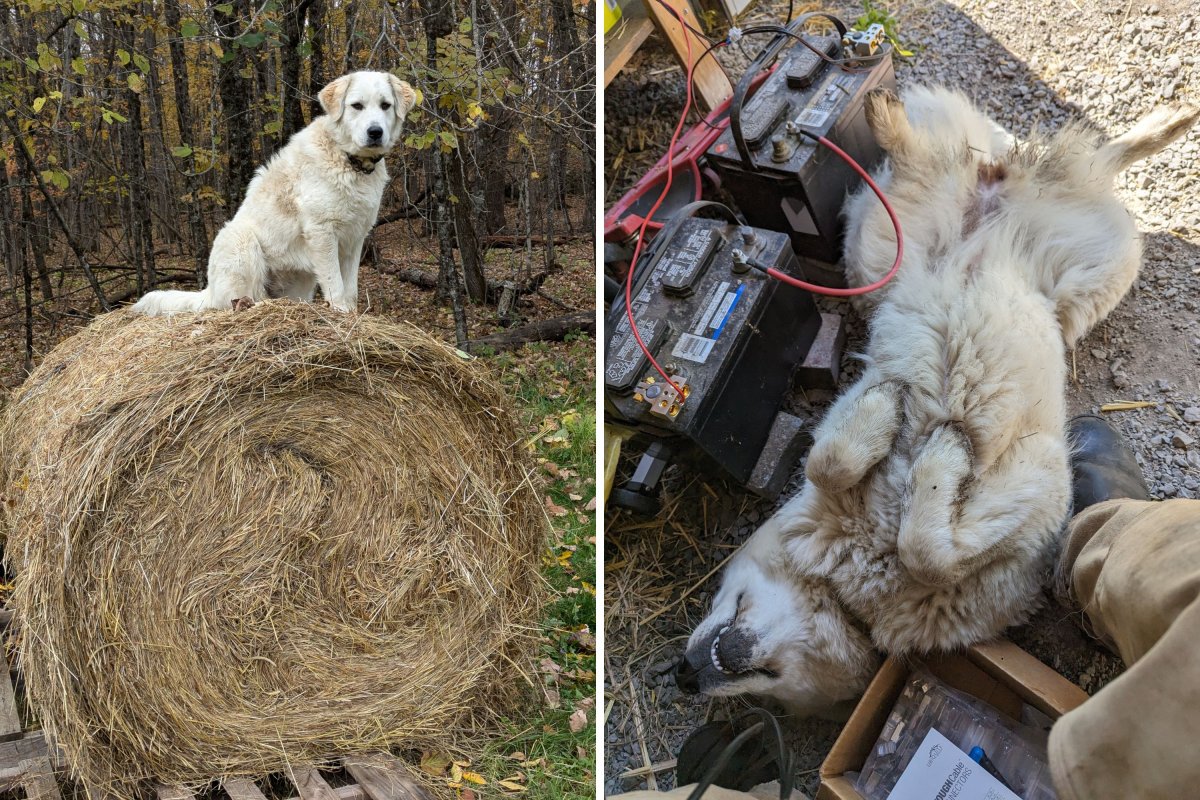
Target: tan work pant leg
1134 569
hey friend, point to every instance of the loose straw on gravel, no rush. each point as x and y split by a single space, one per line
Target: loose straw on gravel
247 540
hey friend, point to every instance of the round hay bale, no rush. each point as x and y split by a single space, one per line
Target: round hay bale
247 540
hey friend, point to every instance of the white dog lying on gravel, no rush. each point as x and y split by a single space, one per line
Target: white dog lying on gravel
309 209
939 482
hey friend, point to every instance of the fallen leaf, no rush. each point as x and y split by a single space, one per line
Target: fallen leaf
574 497
581 752
456 773
584 639
434 764
474 777
511 786
554 509
591 505
586 703
518 756
553 698
578 720
468 794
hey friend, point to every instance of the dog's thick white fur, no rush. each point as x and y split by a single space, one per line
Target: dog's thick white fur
939 482
309 209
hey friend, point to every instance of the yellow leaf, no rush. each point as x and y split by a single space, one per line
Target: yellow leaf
511 786
534 175
456 773
420 96
474 777
38 103
434 764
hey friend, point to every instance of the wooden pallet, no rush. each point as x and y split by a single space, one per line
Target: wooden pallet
27 763
25 760
379 777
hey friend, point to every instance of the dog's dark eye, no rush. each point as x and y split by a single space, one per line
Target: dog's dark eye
385 106
357 106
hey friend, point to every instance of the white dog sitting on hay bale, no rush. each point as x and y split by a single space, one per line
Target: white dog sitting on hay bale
307 211
939 482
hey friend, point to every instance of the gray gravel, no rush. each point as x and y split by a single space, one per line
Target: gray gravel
1031 64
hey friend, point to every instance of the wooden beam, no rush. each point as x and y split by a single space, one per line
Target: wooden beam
351 792
39 781
29 746
173 793
384 777
311 785
10 720
712 87
625 38
242 789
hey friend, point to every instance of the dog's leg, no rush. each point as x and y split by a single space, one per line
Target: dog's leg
327 266
350 259
951 525
855 435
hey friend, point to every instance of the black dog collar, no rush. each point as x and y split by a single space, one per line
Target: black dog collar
364 165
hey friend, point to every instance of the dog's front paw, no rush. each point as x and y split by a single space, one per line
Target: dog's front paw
343 305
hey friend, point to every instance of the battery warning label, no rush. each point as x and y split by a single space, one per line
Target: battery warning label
624 356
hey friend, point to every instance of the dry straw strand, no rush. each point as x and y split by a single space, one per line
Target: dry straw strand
243 540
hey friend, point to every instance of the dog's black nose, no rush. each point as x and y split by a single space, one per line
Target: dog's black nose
374 133
687 678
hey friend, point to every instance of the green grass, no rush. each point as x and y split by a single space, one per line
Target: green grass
554 388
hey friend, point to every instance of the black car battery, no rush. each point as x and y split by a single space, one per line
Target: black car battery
785 181
729 337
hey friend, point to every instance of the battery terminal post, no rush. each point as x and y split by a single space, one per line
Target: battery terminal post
661 397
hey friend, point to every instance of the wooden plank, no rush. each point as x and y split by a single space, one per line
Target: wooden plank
31 745
39 781
712 87
385 778
173 793
311 785
625 38
10 719
242 789
351 792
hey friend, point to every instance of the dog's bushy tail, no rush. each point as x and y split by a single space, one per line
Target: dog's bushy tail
170 301
1154 132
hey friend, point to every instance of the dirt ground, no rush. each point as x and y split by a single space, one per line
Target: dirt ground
1031 64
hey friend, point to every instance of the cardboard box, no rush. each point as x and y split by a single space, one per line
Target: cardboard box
999 673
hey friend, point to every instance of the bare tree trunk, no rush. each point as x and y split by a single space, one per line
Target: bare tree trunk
448 272
235 101
317 76
289 68
183 117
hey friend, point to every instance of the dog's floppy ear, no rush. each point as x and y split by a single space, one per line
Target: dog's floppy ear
406 96
333 97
